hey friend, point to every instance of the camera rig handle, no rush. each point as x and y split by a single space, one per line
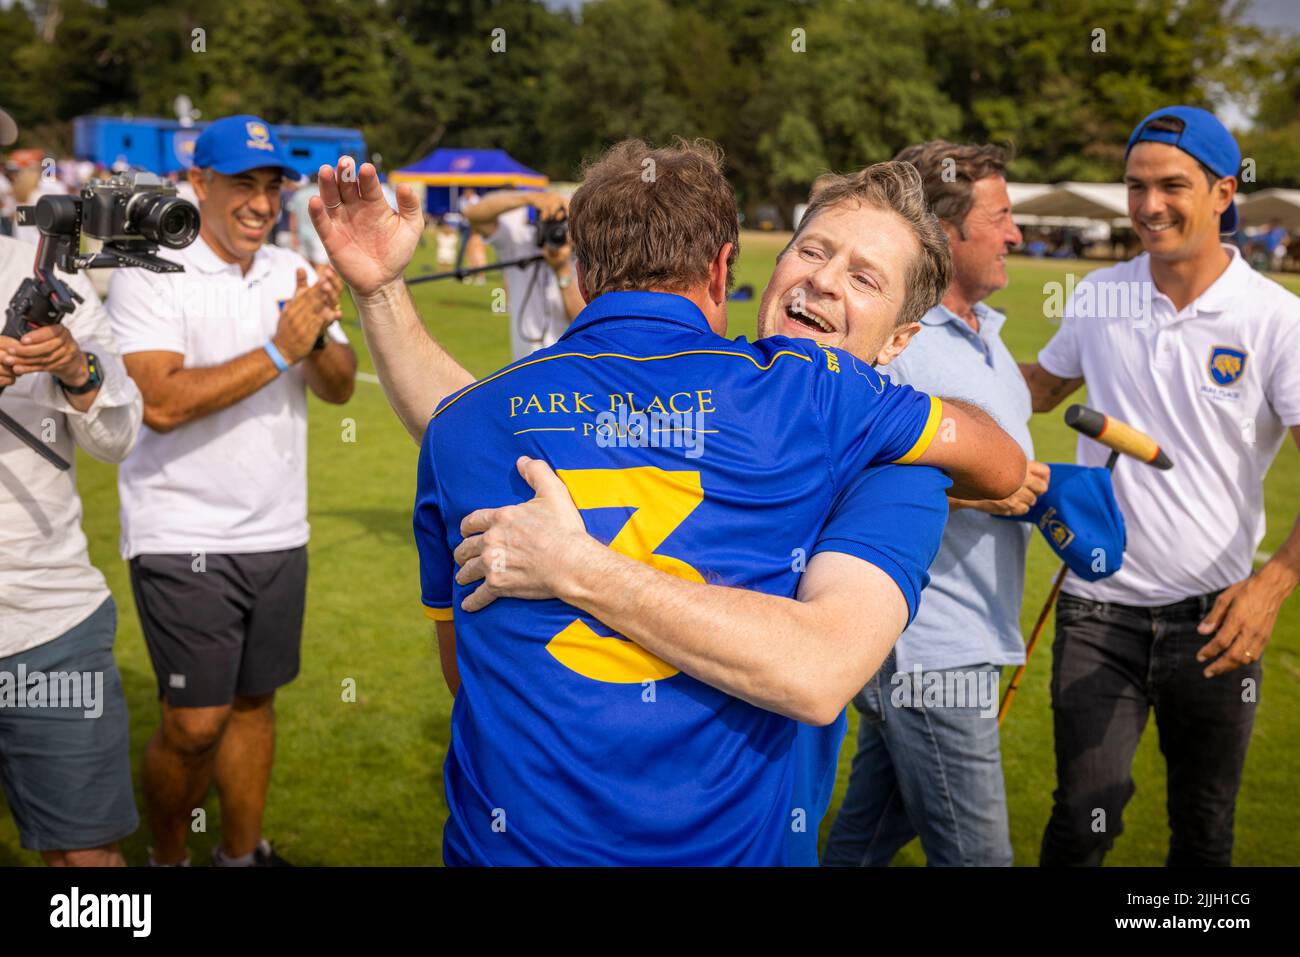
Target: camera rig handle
41 300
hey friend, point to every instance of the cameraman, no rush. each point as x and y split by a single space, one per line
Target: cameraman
542 301
66 770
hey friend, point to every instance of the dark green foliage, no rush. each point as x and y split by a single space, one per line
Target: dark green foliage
790 89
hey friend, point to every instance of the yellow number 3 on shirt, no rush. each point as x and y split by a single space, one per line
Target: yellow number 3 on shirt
661 501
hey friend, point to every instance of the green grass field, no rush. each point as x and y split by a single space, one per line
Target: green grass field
361 782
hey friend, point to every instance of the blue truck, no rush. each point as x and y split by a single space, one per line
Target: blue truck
164 146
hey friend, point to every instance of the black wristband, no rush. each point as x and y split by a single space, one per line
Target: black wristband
93 381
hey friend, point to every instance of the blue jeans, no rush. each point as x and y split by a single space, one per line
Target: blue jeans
932 771
1112 665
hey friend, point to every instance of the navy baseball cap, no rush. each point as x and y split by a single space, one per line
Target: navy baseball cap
1081 520
236 144
1203 138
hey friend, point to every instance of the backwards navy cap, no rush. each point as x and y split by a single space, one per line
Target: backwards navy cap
1204 139
236 144
1081 520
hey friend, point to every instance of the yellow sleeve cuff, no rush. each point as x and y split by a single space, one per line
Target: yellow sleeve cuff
438 614
927 434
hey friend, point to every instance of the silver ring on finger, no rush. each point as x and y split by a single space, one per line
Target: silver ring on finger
334 205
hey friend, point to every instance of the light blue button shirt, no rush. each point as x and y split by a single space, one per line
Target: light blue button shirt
970 614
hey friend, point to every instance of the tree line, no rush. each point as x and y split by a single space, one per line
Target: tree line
789 89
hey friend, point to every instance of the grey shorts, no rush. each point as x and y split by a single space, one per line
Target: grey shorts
66 770
232 626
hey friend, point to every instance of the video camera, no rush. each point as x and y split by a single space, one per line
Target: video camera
133 213
552 233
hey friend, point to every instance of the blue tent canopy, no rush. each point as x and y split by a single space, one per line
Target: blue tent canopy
450 170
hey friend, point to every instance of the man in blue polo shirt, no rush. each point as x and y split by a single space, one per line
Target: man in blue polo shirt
571 745
688 737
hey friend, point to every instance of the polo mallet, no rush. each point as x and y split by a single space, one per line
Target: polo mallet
1118 437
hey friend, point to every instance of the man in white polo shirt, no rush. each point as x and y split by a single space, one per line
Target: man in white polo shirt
214 498
1189 344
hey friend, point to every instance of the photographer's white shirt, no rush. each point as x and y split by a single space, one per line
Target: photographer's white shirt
47 584
1217 385
537 319
236 480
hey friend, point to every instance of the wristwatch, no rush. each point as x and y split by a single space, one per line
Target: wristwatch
95 380
566 282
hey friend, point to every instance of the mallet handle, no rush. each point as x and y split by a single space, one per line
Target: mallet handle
1116 435
1019 673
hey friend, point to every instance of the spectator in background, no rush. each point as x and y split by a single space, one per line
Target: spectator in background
1275 244
475 248
447 238
305 240
284 236
544 298
937 771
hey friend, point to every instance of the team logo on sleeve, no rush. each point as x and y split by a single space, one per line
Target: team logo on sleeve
1226 365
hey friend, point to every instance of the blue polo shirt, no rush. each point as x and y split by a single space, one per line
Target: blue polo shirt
714 460
972 607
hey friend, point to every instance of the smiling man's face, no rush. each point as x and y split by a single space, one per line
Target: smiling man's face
1174 208
979 248
238 211
842 282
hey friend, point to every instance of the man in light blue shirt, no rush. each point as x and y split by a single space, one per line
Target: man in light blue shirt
928 760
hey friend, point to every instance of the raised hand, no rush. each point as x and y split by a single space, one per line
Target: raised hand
368 242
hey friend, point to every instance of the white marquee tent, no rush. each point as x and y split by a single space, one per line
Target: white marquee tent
1070 204
1270 206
